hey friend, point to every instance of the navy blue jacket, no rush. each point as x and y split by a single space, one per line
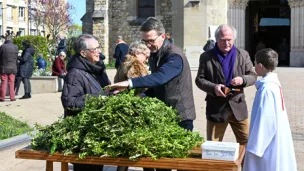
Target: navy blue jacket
82 79
121 51
41 63
26 63
169 67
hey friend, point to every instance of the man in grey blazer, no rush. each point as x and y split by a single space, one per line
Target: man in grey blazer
226 66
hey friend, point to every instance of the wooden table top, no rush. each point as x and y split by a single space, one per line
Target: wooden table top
194 162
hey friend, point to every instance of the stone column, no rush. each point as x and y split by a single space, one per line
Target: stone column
101 26
236 18
297 33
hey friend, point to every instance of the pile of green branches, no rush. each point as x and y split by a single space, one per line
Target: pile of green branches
123 125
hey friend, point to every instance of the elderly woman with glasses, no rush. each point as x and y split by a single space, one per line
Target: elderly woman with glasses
135 63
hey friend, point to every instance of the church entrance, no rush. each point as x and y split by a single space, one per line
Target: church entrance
268 26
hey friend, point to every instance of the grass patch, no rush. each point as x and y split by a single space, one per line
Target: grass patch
10 127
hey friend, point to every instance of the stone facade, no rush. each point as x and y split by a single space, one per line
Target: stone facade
123 20
108 19
190 22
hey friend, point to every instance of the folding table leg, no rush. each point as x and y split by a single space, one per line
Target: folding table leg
49 165
64 166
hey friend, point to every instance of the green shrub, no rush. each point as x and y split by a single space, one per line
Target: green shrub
39 43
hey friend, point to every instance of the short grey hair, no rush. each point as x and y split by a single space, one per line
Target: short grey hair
152 23
81 42
219 29
137 47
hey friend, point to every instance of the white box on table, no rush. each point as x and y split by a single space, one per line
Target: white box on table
228 151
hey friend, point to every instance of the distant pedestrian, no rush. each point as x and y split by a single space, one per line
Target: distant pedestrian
41 62
26 68
8 67
170 38
62 45
209 45
121 51
59 69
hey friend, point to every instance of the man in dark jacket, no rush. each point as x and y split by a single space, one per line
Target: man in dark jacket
121 51
8 67
170 80
83 78
226 66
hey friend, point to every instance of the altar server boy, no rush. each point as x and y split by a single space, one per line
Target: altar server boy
270 146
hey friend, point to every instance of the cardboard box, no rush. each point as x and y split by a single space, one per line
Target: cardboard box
220 150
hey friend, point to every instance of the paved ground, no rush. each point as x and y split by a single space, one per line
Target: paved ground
46 108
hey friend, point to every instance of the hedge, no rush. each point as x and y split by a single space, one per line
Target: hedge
39 43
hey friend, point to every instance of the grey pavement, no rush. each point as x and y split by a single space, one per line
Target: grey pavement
44 109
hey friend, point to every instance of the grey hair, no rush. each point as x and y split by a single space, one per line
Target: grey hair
62 54
81 42
219 29
152 23
137 47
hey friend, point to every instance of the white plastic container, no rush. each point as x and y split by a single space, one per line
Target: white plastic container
220 150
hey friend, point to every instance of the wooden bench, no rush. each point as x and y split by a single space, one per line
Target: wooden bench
192 163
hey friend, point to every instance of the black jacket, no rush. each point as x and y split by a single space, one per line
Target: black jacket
8 58
26 63
82 79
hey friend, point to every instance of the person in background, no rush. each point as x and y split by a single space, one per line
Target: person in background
135 63
26 68
170 38
41 62
209 44
59 69
226 66
8 68
62 44
270 145
121 51
134 66
18 78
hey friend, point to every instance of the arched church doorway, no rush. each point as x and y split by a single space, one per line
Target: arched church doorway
268 26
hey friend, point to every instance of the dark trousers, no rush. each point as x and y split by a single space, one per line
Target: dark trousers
87 167
17 84
27 85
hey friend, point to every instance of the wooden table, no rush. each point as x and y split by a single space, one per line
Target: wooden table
191 163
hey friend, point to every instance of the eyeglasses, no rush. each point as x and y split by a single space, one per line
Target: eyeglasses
94 50
151 41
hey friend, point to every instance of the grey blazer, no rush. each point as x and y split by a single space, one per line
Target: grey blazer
210 74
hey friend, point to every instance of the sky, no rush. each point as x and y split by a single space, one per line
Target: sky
80 8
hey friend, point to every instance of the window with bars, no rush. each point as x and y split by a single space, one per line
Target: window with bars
145 8
9 12
21 13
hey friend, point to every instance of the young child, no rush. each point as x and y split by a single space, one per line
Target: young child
270 145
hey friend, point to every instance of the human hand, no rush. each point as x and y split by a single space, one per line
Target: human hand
119 87
237 81
218 90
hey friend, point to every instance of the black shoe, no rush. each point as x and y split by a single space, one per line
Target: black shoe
13 100
26 96
1 100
